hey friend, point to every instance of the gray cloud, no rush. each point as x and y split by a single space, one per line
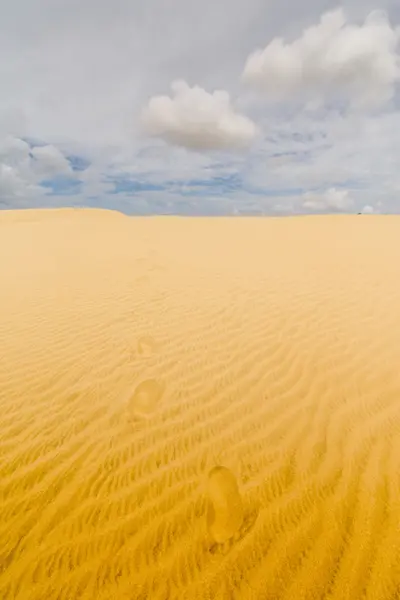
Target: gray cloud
23 168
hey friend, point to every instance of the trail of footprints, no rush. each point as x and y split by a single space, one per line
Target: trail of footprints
228 517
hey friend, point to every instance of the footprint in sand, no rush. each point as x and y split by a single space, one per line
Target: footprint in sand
146 398
146 346
226 519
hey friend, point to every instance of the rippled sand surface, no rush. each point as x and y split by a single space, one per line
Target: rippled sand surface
199 408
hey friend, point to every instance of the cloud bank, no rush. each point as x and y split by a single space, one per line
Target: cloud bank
288 110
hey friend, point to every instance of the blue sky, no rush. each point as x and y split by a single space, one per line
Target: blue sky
240 107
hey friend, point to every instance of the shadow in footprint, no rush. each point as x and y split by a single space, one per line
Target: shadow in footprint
145 399
228 520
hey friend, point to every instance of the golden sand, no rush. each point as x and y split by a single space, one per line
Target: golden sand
199 408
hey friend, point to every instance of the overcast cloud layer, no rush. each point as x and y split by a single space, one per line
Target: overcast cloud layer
229 107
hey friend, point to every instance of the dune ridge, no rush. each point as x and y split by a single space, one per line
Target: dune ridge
139 355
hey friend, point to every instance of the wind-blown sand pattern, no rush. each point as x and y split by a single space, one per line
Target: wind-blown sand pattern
139 354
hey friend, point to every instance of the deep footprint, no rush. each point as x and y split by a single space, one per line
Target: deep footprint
227 520
225 513
146 398
146 346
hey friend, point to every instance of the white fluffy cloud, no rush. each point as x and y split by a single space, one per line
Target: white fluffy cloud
368 209
333 60
198 120
331 199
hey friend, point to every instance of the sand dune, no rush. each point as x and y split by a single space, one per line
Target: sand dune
199 408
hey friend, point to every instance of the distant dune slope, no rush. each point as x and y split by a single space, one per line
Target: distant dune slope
199 408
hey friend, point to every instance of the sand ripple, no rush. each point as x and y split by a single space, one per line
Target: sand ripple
195 408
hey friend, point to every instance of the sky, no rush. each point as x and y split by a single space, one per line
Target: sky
259 107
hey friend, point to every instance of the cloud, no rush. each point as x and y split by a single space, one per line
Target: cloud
368 209
77 86
197 120
331 199
15 175
333 60
330 150
10 182
48 161
24 169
